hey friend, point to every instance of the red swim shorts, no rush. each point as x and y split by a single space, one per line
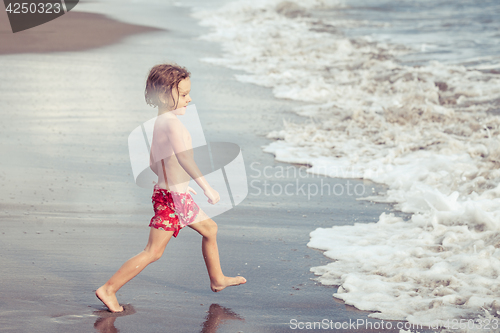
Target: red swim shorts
173 210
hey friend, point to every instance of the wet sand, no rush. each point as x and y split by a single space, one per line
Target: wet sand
74 31
71 213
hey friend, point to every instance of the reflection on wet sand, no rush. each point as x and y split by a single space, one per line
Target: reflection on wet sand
106 321
106 325
217 315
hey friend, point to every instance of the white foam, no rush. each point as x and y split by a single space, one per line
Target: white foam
424 131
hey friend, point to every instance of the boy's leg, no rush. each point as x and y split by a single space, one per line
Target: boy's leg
206 227
158 240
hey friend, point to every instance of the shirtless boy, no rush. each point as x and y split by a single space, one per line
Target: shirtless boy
171 159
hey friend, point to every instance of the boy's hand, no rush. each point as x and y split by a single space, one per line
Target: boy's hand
191 190
213 196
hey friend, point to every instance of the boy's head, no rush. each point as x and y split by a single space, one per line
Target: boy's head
168 86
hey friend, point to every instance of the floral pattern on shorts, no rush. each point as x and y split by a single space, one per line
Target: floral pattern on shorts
165 217
173 210
185 207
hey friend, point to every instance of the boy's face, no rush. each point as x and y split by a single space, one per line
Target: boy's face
184 98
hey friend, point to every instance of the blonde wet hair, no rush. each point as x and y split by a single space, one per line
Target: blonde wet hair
162 80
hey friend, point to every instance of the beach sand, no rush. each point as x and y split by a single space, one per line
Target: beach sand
74 31
71 213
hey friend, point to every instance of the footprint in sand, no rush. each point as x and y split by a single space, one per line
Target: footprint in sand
128 309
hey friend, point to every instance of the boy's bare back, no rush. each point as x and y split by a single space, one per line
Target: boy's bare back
170 136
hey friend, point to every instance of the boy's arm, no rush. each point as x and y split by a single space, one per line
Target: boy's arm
185 155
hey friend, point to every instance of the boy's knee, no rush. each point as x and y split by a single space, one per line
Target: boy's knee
154 253
211 229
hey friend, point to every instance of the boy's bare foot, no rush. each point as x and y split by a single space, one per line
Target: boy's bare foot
227 282
108 299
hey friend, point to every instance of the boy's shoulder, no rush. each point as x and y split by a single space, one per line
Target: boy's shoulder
169 125
168 122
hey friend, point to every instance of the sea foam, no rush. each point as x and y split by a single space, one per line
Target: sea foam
425 131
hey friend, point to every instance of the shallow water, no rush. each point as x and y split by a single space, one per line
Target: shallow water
454 32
